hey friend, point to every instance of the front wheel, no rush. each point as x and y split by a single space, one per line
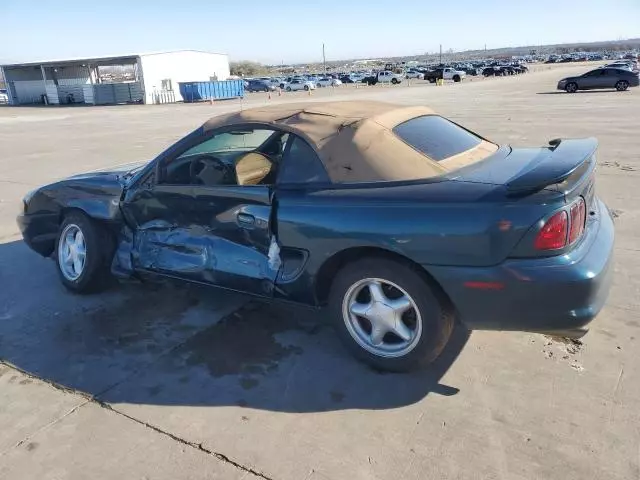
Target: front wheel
394 81
288 89
306 87
388 315
571 87
456 78
83 254
622 85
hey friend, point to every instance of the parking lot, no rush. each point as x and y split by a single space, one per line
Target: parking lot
166 382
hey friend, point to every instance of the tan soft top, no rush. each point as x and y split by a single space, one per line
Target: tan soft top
354 140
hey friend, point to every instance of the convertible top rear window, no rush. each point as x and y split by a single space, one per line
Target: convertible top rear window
436 137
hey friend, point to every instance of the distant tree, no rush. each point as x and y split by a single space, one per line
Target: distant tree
247 69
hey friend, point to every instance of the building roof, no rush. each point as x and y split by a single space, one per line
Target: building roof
354 139
104 60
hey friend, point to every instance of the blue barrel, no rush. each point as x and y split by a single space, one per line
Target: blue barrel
196 91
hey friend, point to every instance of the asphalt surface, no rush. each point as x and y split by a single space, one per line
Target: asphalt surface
170 381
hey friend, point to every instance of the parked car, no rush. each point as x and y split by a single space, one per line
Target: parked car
259 86
491 72
249 202
414 74
299 84
385 76
286 81
507 70
627 65
617 78
328 82
4 96
446 73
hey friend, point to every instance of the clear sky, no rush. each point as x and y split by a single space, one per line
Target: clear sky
274 31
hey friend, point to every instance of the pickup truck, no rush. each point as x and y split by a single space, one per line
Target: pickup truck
386 76
446 73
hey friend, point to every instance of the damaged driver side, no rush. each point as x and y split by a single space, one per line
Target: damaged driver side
206 216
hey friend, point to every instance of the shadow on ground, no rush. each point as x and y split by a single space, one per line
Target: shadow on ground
189 345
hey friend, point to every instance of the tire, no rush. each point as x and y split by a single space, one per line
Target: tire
432 80
306 88
428 322
288 89
456 78
394 81
266 90
94 274
622 85
571 87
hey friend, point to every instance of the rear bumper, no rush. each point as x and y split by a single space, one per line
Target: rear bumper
557 295
39 231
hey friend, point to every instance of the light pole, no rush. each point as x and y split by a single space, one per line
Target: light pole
324 60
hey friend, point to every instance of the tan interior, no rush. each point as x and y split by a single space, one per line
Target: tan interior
252 168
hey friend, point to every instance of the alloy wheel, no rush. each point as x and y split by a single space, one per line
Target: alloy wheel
382 317
622 85
72 252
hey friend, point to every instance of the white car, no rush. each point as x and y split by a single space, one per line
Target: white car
414 74
453 74
328 82
4 97
297 84
388 76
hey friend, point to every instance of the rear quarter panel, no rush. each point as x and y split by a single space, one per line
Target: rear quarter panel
440 223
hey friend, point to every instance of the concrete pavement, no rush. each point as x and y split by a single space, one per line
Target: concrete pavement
186 382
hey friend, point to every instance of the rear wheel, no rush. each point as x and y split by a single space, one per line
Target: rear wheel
571 87
387 315
83 254
622 85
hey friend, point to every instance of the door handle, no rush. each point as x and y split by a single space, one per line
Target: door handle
246 219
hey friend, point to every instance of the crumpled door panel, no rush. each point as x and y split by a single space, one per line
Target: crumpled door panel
193 253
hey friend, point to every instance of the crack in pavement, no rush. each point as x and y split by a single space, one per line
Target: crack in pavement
95 400
91 399
44 427
198 446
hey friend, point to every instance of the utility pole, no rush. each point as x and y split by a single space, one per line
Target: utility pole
324 60
440 53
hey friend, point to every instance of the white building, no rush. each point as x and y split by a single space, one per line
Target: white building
139 78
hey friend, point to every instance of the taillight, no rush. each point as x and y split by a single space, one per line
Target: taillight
578 217
553 234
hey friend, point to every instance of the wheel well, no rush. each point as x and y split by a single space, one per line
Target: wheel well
333 265
108 226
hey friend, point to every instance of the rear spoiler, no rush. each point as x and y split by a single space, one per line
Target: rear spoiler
561 159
